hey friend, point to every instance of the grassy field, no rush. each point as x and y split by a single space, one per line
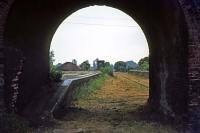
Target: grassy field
90 88
114 106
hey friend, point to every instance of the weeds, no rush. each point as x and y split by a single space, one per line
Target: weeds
107 70
90 87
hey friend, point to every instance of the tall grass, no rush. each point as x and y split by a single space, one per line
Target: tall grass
90 87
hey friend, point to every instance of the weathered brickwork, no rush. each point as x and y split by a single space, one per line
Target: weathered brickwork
192 14
4 7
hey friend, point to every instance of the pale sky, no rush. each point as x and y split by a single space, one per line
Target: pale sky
99 32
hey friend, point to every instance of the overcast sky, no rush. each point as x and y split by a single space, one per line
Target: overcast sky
99 32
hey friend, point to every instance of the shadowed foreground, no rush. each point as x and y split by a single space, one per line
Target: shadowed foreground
114 108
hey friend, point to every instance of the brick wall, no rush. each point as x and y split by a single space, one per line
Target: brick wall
3 11
192 14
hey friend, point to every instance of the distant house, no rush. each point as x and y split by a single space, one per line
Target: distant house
69 66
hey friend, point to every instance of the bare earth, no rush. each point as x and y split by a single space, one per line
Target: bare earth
111 109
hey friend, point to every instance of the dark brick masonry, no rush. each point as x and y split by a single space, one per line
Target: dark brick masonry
4 9
192 14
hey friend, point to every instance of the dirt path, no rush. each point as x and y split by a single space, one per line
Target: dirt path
111 109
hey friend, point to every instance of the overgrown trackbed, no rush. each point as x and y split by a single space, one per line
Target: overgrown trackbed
111 109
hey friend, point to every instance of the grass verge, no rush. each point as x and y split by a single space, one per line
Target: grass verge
90 87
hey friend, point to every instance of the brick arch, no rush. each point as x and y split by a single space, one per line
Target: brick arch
29 27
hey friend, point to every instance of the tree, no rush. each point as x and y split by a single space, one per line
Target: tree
144 64
143 60
74 61
107 69
51 58
120 66
54 75
107 64
85 65
131 65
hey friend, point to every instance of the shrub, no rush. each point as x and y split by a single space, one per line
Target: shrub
85 65
55 76
143 64
120 66
107 70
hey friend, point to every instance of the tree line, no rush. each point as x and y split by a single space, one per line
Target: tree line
143 65
119 66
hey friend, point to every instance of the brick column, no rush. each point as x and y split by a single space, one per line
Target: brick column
192 14
4 9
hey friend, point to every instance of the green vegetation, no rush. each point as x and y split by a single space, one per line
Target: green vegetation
143 64
107 69
120 66
94 84
54 75
90 87
85 65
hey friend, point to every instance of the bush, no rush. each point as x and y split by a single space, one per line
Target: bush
120 66
55 76
143 64
107 70
85 65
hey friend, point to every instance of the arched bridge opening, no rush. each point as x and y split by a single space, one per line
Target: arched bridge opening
30 25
